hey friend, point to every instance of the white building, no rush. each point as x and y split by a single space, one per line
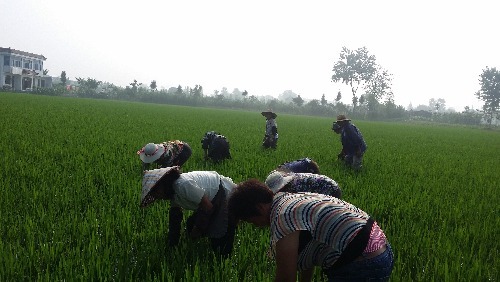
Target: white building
22 71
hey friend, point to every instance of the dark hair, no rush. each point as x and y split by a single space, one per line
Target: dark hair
245 198
165 189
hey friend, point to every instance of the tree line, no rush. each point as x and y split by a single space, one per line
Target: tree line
370 85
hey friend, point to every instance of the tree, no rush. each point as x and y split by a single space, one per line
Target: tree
287 96
324 102
245 93
89 83
361 99
355 68
64 79
298 100
45 71
236 94
179 90
153 85
135 85
439 105
490 92
339 96
88 87
224 92
380 85
354 102
197 91
314 103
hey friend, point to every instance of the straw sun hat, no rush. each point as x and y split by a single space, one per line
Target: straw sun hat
277 180
151 152
342 118
149 181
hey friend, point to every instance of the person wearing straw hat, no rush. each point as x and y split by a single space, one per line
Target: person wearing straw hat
204 192
353 143
166 154
271 135
279 181
305 165
215 146
309 230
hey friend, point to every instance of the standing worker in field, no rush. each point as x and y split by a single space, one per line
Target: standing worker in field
353 144
166 154
271 136
205 193
309 230
215 146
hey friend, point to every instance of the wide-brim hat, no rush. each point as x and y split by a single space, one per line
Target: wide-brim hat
277 180
342 118
151 152
149 181
269 114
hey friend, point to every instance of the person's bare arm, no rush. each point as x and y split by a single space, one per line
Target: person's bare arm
286 257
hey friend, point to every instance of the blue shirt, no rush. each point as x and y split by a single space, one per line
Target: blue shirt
352 140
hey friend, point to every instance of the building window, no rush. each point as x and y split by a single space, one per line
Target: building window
6 60
17 63
8 80
43 83
27 64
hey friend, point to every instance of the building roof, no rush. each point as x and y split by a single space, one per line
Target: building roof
14 51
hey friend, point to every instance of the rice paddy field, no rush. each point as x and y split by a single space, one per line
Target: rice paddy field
71 184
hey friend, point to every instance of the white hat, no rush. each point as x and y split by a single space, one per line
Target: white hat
276 180
149 180
151 152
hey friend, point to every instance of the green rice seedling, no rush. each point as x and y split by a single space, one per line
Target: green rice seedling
71 182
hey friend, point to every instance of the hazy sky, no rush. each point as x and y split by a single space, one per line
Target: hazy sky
434 49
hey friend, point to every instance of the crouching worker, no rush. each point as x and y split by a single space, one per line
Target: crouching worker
215 146
353 144
304 165
166 154
204 192
279 181
309 230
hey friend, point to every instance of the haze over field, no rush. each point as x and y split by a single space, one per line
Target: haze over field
434 49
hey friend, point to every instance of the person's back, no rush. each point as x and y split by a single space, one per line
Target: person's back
304 165
352 139
279 181
165 154
216 146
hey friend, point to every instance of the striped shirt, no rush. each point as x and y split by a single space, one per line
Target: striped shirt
332 222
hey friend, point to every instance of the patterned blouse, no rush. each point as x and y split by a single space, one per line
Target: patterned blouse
270 123
314 183
172 151
332 222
